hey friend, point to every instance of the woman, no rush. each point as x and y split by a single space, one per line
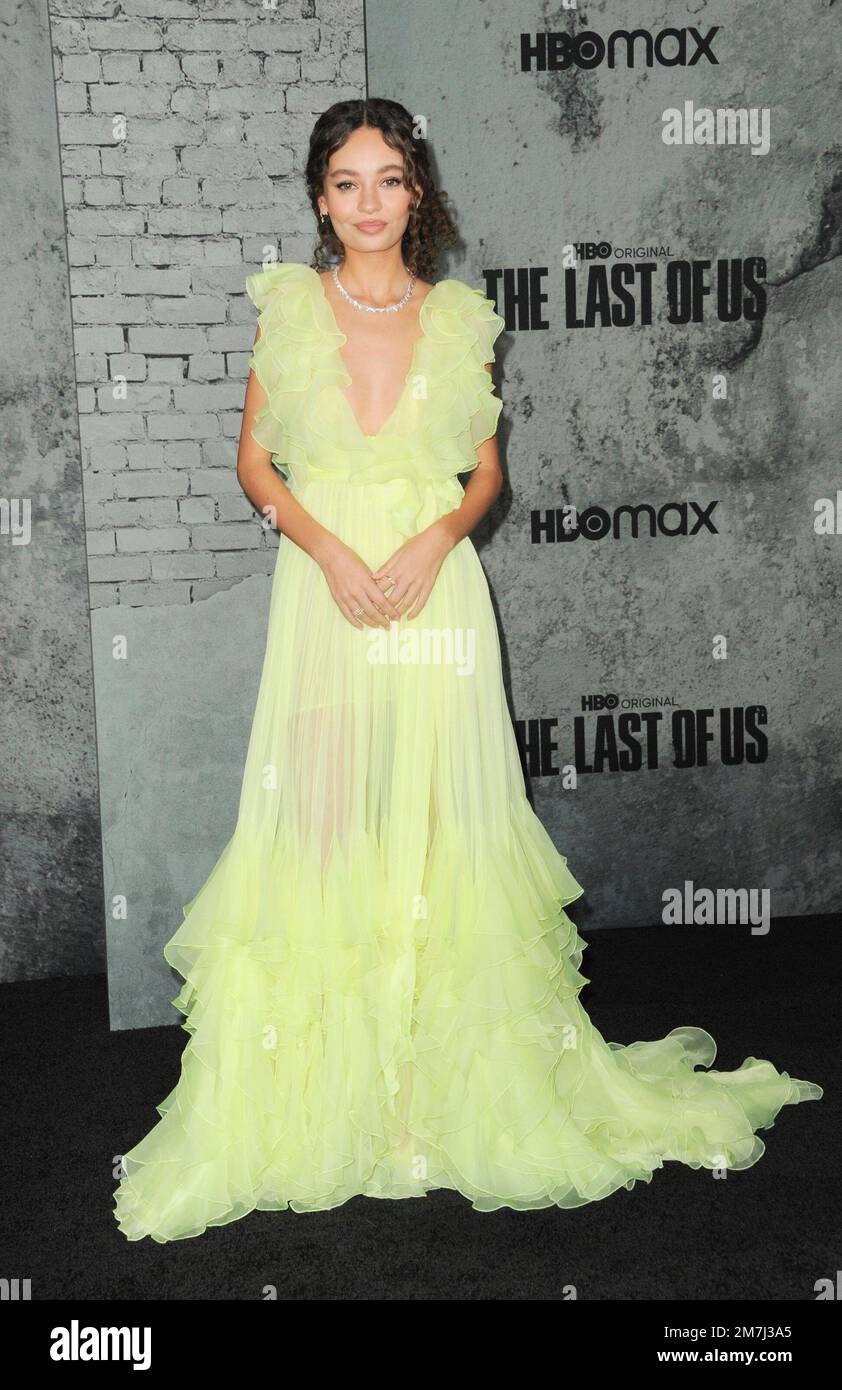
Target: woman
381 982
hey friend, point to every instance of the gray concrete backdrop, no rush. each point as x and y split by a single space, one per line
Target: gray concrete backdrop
51 908
170 209
533 162
174 706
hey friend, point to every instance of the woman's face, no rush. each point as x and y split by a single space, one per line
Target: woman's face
364 193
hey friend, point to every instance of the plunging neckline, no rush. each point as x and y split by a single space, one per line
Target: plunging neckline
417 344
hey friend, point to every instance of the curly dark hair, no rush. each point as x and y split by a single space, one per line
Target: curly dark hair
430 227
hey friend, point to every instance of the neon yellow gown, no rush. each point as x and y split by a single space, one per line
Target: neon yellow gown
381 982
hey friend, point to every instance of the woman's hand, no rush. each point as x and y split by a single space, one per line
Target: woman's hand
413 568
353 588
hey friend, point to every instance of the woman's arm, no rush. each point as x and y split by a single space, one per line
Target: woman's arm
348 578
414 566
481 492
268 492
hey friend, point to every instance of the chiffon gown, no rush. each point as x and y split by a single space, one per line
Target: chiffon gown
381 981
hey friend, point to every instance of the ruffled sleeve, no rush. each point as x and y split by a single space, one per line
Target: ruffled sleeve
461 409
266 289
292 357
485 325
262 287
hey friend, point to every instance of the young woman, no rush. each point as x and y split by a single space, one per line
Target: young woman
381 981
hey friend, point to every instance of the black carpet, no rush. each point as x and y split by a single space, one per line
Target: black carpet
77 1095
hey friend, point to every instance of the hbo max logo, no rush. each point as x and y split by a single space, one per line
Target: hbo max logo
671 48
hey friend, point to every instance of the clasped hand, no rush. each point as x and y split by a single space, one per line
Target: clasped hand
398 589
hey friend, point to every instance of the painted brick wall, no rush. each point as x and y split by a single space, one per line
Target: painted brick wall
183 130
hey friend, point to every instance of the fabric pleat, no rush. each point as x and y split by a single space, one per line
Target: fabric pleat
381 981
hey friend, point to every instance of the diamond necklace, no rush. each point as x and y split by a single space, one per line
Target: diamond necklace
371 308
